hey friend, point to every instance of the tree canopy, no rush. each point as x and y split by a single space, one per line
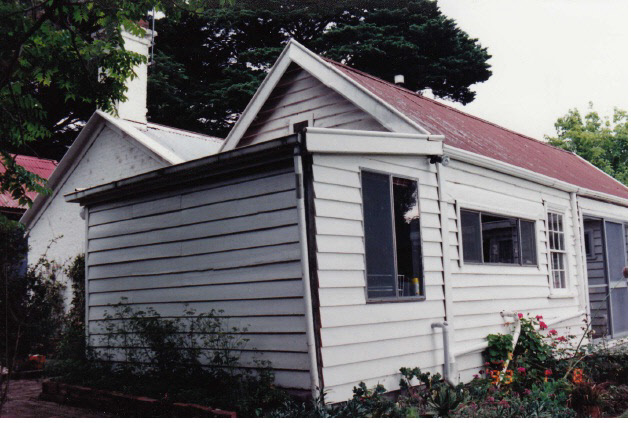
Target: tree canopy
600 141
59 61
208 67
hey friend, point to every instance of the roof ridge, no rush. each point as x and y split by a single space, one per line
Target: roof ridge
417 95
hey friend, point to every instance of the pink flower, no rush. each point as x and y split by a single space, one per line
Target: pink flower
487 364
503 402
542 325
553 332
520 315
527 392
476 376
521 370
539 317
561 338
548 372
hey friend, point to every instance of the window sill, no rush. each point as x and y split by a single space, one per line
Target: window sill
395 300
561 295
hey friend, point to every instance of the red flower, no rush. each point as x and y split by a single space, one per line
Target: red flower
526 391
553 332
542 325
561 338
476 376
487 364
548 372
520 315
539 317
521 370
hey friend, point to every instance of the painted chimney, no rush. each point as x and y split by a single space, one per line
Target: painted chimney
399 80
135 107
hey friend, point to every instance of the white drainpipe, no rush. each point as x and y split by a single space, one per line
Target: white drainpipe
304 252
449 358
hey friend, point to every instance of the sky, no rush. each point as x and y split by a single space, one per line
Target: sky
549 56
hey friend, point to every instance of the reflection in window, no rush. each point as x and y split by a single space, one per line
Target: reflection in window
489 238
557 249
392 236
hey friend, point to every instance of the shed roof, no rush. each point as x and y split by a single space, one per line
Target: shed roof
470 133
41 167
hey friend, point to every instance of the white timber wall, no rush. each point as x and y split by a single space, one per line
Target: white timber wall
363 341
59 232
231 246
299 97
481 292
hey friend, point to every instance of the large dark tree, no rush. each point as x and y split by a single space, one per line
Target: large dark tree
207 67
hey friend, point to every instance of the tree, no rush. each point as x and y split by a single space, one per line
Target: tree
59 61
602 142
208 67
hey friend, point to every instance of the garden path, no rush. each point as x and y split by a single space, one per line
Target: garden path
22 401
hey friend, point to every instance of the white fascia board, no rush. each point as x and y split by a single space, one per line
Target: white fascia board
345 141
502 167
333 78
163 153
256 102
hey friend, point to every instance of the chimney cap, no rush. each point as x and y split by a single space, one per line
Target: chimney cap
399 79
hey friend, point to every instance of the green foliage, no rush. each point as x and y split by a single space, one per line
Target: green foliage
60 60
194 358
500 346
598 140
208 67
31 300
72 344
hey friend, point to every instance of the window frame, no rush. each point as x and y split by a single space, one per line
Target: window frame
519 218
560 211
396 299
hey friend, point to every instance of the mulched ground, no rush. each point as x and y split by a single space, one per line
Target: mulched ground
22 402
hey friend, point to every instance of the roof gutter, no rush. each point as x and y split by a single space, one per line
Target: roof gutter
204 168
497 165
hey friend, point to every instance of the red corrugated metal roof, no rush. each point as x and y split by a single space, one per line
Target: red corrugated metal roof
41 167
476 135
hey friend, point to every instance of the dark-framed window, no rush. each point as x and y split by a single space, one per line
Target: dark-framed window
497 239
392 237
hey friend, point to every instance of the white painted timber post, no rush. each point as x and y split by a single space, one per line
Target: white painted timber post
304 260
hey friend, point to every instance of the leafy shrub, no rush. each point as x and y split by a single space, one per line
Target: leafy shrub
31 300
72 345
194 358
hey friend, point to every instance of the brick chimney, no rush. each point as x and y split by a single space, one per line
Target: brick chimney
135 107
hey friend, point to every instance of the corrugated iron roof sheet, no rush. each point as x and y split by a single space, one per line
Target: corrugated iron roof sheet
41 167
185 144
470 133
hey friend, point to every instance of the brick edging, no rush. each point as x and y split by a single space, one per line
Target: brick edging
124 404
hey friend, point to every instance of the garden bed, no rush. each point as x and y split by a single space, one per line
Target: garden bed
124 405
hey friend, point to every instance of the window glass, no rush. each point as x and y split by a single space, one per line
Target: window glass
408 237
528 246
378 235
500 239
556 239
471 236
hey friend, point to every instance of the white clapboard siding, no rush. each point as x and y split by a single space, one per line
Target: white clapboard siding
481 292
371 341
299 97
231 245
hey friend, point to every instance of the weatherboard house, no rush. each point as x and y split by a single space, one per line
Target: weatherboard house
356 227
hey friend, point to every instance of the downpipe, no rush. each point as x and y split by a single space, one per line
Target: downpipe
449 358
516 333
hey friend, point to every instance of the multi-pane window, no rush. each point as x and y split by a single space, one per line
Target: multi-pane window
556 241
392 237
490 238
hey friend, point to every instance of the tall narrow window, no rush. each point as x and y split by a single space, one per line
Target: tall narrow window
392 237
556 241
490 238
